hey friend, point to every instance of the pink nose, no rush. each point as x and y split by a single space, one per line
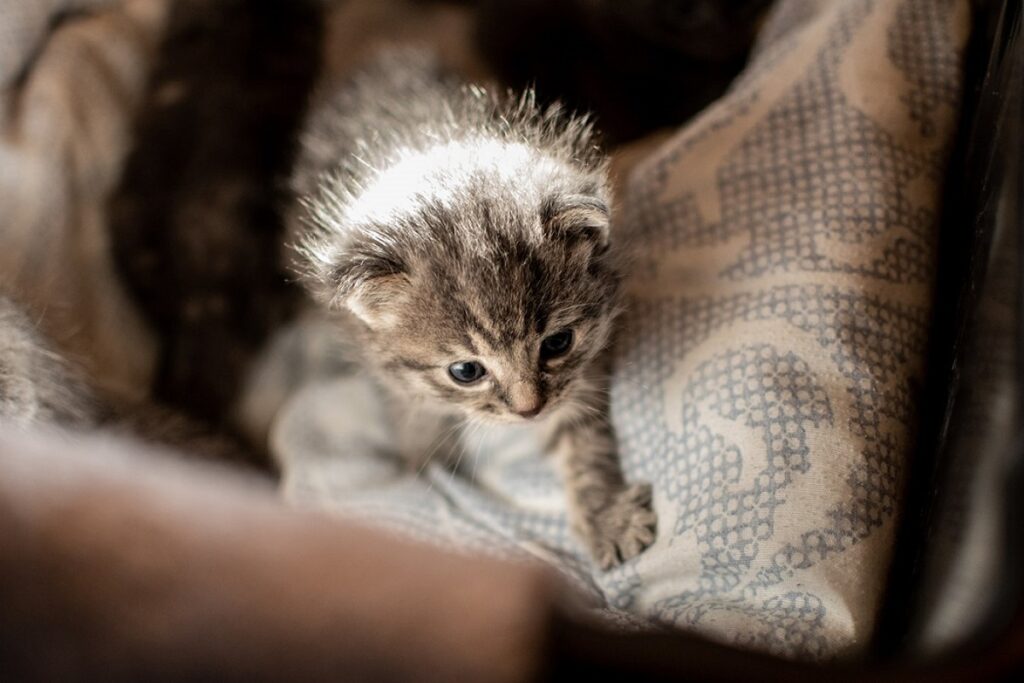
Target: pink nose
529 412
524 399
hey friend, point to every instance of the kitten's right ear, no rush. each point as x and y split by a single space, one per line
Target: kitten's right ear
365 277
580 221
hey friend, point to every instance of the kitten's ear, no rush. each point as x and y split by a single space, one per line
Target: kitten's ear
365 277
581 221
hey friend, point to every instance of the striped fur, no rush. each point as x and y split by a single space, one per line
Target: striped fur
443 223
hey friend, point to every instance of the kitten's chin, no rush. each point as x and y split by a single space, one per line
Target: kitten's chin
504 419
552 409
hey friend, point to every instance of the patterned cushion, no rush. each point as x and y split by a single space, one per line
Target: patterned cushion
784 251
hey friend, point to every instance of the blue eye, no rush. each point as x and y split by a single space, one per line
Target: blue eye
466 372
555 345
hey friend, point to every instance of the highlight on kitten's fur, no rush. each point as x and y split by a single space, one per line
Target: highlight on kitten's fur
463 240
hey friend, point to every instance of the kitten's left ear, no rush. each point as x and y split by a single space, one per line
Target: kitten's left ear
578 220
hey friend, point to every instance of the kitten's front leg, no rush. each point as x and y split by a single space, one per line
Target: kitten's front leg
614 520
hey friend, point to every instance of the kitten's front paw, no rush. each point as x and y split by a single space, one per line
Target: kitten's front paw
622 529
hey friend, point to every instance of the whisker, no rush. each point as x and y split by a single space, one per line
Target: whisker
473 429
441 441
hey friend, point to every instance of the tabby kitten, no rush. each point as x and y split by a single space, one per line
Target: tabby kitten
463 240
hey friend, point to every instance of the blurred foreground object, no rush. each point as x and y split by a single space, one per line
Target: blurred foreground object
118 564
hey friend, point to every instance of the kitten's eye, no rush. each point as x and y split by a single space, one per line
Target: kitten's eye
556 344
466 372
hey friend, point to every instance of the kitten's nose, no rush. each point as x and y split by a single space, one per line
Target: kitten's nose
525 400
532 411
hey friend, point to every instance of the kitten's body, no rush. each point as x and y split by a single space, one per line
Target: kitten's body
460 235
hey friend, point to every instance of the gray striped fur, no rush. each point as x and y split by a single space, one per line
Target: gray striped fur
443 223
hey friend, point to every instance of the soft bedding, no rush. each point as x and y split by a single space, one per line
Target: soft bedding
72 74
784 251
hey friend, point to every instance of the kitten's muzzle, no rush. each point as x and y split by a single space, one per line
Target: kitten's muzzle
525 400
532 411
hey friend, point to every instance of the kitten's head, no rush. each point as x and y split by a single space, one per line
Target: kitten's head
483 277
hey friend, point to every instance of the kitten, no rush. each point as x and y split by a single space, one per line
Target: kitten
463 240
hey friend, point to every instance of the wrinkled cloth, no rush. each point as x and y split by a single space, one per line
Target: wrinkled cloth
777 326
